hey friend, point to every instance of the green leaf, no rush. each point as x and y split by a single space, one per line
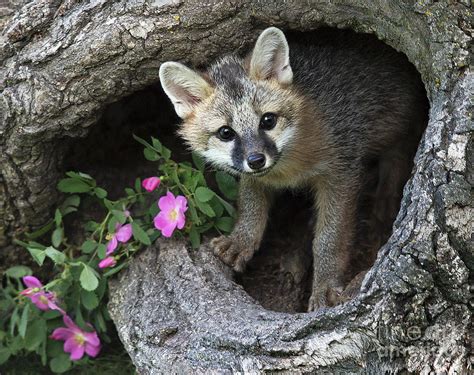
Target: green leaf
150 155
120 216
228 207
130 192
35 334
109 204
73 185
100 193
88 246
80 175
24 321
4 355
41 231
88 278
57 237
73 200
139 234
204 194
89 300
143 142
217 206
156 144
17 272
205 208
166 153
60 364
225 224
198 161
114 270
195 238
227 185
101 251
37 254
56 256
138 185
58 217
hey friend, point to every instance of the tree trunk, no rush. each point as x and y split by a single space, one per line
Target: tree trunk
179 311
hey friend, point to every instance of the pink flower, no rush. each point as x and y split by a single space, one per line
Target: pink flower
41 299
171 214
150 183
77 341
107 262
122 234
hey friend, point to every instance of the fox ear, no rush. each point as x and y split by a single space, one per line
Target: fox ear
270 57
184 87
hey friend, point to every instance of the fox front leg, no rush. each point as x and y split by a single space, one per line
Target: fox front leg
239 247
333 238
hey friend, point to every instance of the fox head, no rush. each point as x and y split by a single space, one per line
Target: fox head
240 114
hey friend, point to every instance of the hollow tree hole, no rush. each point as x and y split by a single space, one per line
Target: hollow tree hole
280 274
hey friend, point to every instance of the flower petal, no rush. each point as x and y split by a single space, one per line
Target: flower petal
32 282
76 350
182 203
167 203
92 350
112 245
151 183
124 233
160 221
92 338
181 221
70 324
61 334
169 229
107 262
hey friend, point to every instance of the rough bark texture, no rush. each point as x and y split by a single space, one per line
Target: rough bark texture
178 311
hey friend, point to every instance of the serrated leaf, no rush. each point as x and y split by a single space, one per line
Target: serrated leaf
100 193
166 153
18 271
150 155
37 254
139 234
58 217
24 321
205 209
88 246
35 334
73 185
57 237
204 194
60 364
73 200
225 224
101 251
156 144
228 207
88 279
120 216
89 300
56 256
4 355
227 185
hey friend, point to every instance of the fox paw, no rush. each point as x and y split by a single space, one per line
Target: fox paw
323 296
233 253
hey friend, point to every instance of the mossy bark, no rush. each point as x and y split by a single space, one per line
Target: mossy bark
176 311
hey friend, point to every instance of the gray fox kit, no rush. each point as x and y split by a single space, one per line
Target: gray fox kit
298 116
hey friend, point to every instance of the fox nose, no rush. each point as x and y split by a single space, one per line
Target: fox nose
256 160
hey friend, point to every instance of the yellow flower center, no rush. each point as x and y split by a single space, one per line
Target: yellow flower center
43 299
173 215
109 236
80 339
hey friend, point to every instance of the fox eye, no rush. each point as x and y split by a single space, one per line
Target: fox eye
225 133
268 121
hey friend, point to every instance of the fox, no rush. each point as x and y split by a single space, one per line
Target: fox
291 116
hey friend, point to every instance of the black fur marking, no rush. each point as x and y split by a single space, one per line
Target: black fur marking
238 153
228 74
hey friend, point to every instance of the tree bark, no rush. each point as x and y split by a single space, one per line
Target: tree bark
178 310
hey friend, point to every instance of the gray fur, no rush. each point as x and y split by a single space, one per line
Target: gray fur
348 104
